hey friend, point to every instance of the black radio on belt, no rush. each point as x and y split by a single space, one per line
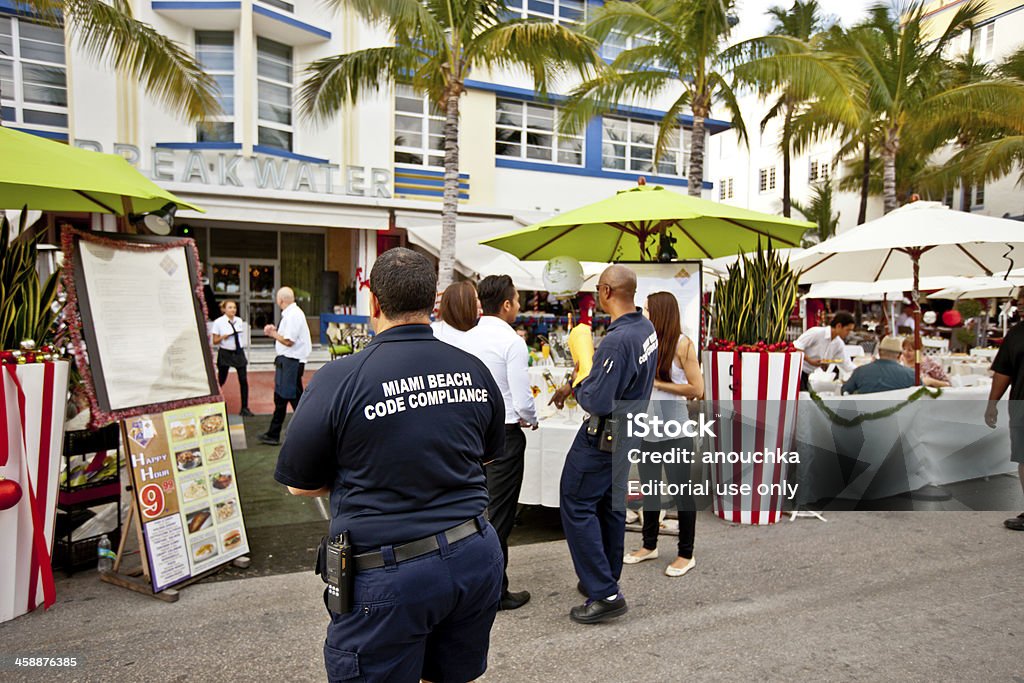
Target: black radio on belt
605 429
338 571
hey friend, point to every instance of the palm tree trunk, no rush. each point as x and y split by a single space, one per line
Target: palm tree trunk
450 207
695 175
865 183
787 162
889 149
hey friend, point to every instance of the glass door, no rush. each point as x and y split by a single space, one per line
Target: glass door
253 284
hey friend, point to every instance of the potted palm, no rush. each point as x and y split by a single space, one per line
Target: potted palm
752 375
33 383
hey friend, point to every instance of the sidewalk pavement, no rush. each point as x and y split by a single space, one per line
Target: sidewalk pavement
908 596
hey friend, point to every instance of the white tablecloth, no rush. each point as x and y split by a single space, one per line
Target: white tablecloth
546 449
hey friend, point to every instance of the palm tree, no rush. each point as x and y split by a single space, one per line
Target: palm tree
109 32
680 48
802 22
436 44
908 85
820 210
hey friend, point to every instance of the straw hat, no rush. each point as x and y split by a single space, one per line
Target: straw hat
891 344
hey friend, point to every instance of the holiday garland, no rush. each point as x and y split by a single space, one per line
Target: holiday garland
892 410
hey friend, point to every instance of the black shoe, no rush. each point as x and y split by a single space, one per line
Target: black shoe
596 611
269 440
514 600
1015 523
245 412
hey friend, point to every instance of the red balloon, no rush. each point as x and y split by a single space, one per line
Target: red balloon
952 318
10 493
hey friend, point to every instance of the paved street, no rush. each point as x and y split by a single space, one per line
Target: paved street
867 597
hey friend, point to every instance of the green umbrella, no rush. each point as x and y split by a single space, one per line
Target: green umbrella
51 176
614 229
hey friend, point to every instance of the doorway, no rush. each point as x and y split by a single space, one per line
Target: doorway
253 282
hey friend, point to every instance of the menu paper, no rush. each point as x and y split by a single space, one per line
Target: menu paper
184 480
144 320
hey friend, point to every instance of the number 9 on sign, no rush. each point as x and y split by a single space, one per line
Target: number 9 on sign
151 498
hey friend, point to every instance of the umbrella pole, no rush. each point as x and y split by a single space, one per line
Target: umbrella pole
916 255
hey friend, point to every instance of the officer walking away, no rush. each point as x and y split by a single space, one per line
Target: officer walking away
397 435
293 345
1008 373
504 353
623 369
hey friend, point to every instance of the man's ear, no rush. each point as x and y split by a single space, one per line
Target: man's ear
375 309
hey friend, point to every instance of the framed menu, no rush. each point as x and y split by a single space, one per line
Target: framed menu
186 494
138 322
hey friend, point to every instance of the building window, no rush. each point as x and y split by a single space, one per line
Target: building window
628 145
419 129
274 92
215 51
280 4
526 130
569 12
947 198
766 179
983 41
33 76
725 189
819 171
618 42
979 195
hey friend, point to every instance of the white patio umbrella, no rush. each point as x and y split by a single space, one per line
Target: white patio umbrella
921 239
980 288
875 291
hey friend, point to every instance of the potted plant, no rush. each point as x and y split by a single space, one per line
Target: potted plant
752 380
34 386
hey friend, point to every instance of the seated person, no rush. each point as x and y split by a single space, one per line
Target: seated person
932 374
885 374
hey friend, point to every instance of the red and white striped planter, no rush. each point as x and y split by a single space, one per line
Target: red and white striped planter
33 399
758 393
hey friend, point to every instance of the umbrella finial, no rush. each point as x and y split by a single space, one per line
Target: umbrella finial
641 181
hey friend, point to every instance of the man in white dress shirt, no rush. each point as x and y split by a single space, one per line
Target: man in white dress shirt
293 346
823 346
504 353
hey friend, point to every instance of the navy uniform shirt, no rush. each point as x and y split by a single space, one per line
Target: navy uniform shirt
880 375
1009 361
624 368
400 432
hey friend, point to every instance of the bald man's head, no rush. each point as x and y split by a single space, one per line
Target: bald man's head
620 281
285 297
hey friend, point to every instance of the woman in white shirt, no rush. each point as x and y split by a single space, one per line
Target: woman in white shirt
458 312
229 335
677 379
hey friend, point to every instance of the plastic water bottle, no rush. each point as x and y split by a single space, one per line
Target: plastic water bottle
105 556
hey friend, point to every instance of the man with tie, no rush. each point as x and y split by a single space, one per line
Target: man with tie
229 335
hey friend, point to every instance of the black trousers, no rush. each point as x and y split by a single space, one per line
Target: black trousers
281 406
243 381
686 506
504 481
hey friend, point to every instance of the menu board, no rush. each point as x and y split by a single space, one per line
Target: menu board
183 475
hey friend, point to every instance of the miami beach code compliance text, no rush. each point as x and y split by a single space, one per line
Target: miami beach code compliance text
420 391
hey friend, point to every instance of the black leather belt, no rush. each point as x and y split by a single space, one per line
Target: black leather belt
414 549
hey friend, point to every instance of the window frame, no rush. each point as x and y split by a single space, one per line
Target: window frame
18 103
818 170
766 180
522 10
427 113
726 188
224 117
524 129
682 151
261 123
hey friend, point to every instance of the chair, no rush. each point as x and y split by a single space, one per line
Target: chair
336 345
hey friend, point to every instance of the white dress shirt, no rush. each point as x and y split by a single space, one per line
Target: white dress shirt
293 327
818 343
222 328
447 333
504 353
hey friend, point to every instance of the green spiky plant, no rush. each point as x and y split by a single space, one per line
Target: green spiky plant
27 308
752 304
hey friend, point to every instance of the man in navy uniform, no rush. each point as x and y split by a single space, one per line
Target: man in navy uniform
623 369
398 436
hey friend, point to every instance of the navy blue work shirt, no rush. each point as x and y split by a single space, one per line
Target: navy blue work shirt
880 375
400 432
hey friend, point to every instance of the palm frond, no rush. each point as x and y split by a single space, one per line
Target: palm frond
334 81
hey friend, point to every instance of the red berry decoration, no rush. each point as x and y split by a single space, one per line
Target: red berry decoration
10 493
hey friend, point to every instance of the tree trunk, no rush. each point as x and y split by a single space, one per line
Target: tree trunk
865 183
695 176
450 207
889 150
787 162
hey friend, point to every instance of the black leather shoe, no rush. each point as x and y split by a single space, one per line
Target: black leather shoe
514 600
1015 523
245 412
269 440
596 611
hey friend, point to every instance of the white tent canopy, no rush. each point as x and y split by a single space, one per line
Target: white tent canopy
980 288
875 291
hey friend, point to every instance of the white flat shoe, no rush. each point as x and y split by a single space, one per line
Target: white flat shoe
673 572
633 559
